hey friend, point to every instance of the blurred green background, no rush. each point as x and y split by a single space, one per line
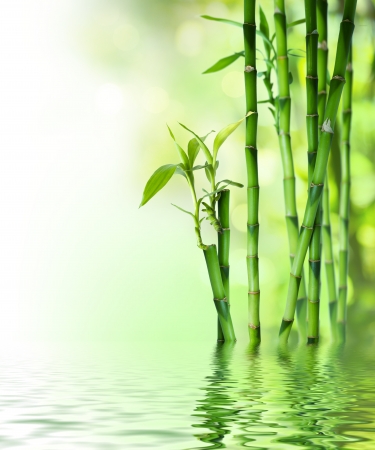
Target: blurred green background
87 89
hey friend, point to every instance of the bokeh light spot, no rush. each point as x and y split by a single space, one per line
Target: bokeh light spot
155 100
233 84
189 38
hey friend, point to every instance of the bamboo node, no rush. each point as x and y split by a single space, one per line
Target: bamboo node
288 320
314 260
282 57
295 276
251 146
278 11
292 255
323 45
302 298
226 229
314 185
250 69
347 20
251 256
349 67
312 115
311 301
327 126
253 224
284 133
290 215
225 267
221 299
322 92
311 77
343 287
253 187
308 228
347 111
339 77
254 292
249 113
254 327
250 24
312 33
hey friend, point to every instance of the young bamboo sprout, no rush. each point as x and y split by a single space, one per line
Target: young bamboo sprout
316 186
312 140
186 168
345 201
286 151
251 152
322 19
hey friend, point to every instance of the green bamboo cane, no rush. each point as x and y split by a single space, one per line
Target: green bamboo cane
220 299
322 16
223 247
286 150
316 186
251 152
312 140
344 201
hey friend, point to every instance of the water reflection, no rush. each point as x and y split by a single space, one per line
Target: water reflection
312 397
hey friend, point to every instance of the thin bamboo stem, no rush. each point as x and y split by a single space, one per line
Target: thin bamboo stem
284 102
251 152
220 299
312 119
322 16
345 201
316 186
223 247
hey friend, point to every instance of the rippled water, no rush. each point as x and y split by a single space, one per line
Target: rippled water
187 396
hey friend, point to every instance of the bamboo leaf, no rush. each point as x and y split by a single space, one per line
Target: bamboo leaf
224 62
199 167
265 39
203 146
180 171
181 153
183 210
209 172
290 77
157 181
296 22
194 147
225 133
228 22
216 191
264 28
230 182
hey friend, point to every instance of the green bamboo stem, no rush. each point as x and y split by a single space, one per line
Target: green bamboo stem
286 151
220 299
322 16
251 152
312 119
223 248
316 186
344 201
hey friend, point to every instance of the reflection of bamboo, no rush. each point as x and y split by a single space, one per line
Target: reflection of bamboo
216 409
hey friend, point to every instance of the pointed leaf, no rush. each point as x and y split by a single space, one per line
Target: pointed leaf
225 133
229 22
224 62
183 210
203 146
210 194
157 181
180 171
199 167
296 22
290 77
265 39
181 153
194 147
230 182
209 172
264 28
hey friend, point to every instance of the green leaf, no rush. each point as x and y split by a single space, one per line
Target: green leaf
199 167
290 77
328 78
296 22
193 148
180 171
181 153
223 134
229 22
157 181
204 147
263 101
265 38
210 194
210 174
224 62
183 210
230 182
264 28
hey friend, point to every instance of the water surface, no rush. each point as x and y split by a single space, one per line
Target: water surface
187 396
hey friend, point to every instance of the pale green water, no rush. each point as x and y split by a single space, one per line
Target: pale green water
187 396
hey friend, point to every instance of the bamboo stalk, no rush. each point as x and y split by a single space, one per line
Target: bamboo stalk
223 247
316 186
312 140
251 152
220 299
345 201
286 151
322 19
